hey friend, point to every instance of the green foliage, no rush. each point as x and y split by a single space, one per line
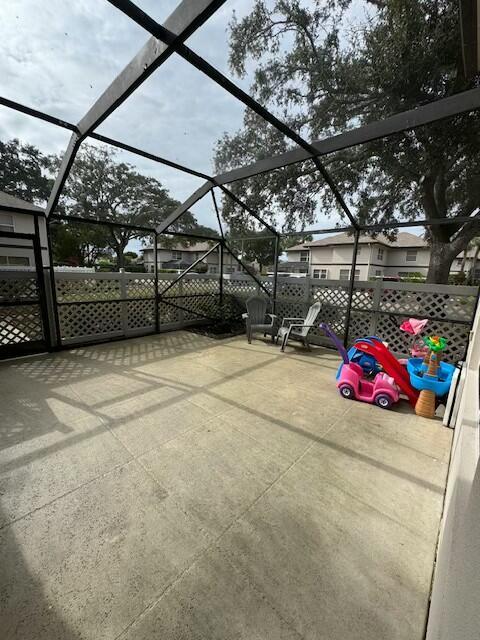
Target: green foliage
329 66
100 187
414 276
23 171
78 244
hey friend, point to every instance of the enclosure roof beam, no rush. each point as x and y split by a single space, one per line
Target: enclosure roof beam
185 19
164 33
149 156
248 209
434 222
30 212
11 104
188 16
217 213
244 267
188 269
316 232
418 117
185 206
197 236
104 223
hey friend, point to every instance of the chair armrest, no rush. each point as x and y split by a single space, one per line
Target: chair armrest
272 316
244 316
302 326
288 320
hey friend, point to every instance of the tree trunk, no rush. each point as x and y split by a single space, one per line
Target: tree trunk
441 259
120 257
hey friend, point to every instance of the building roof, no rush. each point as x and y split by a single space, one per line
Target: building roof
404 239
6 200
198 246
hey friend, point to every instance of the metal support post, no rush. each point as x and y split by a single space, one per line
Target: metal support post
351 288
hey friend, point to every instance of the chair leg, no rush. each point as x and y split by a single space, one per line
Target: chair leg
284 342
307 344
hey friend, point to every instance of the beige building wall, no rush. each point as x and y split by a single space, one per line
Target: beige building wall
336 261
398 262
23 223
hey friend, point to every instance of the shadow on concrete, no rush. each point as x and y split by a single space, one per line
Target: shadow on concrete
26 612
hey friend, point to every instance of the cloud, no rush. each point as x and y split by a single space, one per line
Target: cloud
59 57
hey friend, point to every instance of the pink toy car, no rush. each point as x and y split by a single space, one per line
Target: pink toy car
352 385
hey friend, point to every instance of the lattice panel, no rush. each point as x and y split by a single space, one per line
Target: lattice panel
86 320
20 324
194 286
360 325
428 304
190 286
334 296
200 307
241 288
399 342
169 314
140 288
291 290
13 289
362 298
141 314
87 289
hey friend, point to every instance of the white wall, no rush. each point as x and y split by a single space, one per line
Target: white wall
455 606
212 260
24 223
337 258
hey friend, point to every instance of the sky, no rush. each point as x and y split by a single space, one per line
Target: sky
59 57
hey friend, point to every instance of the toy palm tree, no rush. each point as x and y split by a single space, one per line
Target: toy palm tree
426 400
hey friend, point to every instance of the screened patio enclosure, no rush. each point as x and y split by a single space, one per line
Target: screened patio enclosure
123 305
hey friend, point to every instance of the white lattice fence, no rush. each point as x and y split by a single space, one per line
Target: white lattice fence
20 318
97 306
102 305
378 308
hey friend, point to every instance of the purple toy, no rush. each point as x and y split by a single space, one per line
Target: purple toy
352 383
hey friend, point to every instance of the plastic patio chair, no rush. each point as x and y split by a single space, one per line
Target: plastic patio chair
256 316
298 328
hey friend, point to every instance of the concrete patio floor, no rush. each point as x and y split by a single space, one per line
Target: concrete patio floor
175 487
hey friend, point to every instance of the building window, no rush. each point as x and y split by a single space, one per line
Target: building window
345 274
380 253
378 272
176 255
212 269
320 274
229 269
6 223
304 256
411 255
14 261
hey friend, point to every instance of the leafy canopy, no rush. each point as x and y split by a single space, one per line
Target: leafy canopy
329 65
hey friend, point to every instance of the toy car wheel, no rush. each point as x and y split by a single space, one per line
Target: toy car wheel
383 401
347 391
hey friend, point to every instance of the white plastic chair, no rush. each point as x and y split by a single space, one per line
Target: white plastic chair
298 328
